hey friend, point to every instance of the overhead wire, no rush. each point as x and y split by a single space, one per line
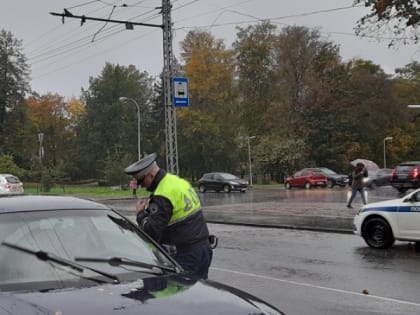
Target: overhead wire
69 47
55 50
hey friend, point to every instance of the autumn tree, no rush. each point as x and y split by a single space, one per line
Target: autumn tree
207 130
407 90
401 18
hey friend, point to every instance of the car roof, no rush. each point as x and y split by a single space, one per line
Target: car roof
212 173
37 203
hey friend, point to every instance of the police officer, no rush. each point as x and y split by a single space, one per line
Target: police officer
172 215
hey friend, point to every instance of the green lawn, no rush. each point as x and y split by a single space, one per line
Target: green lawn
85 191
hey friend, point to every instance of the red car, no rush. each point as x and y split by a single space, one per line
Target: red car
306 178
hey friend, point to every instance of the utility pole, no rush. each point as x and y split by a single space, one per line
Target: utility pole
170 113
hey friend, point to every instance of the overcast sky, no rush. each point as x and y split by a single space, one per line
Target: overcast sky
62 57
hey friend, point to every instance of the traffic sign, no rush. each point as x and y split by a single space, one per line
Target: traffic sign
181 92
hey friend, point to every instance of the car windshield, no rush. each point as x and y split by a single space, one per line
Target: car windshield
12 179
328 171
70 234
228 176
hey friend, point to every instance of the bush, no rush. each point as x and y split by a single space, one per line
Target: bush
7 165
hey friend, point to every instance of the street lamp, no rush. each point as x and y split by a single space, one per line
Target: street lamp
124 99
249 138
385 140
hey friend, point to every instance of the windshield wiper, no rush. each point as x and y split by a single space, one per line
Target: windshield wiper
45 256
121 261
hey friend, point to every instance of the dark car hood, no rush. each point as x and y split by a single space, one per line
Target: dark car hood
157 295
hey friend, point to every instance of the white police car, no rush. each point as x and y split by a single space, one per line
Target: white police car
381 223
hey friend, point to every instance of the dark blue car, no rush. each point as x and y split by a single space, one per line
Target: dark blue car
70 256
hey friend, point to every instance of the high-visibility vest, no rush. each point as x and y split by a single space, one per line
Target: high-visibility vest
181 194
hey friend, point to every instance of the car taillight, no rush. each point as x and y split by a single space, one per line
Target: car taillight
8 186
415 172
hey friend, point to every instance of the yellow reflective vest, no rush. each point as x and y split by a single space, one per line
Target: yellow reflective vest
182 196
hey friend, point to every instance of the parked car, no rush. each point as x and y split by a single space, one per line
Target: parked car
381 177
65 255
10 184
406 176
334 179
306 178
381 223
221 182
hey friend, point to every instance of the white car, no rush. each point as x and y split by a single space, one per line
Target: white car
381 223
10 184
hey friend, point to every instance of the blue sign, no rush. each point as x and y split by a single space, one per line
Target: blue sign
181 92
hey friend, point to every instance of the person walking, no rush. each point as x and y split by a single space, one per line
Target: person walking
172 215
357 184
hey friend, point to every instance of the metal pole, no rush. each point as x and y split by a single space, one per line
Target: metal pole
249 159
385 140
138 131
123 98
384 154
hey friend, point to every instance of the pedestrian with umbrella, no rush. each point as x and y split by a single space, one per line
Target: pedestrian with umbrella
357 185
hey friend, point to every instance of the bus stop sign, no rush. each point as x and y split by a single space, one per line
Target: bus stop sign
181 92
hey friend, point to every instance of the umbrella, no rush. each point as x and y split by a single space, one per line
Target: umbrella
369 165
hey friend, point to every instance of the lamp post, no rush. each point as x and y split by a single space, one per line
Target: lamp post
124 99
385 140
249 138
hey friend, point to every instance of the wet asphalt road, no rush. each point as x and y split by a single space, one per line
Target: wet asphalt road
315 273
336 195
305 272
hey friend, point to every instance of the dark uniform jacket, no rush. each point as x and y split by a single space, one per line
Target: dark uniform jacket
185 235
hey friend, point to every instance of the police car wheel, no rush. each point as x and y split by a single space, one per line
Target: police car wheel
377 233
330 183
308 185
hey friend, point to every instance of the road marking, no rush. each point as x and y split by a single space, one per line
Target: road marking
317 287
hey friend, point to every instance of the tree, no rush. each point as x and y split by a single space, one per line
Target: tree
207 130
14 76
109 124
254 49
51 116
400 17
8 166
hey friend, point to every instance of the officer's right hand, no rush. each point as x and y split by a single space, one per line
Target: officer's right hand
141 204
